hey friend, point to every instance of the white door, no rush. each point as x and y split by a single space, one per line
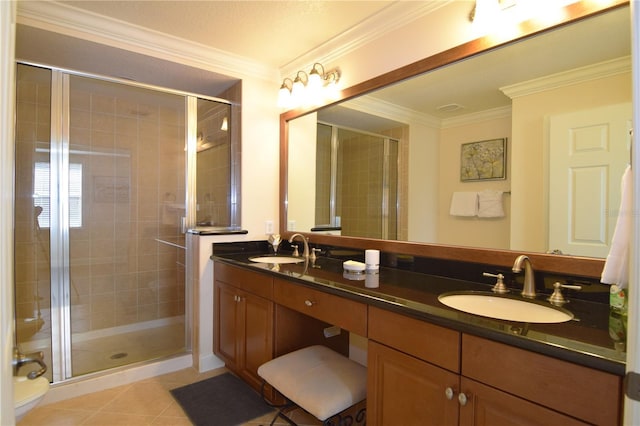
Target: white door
588 152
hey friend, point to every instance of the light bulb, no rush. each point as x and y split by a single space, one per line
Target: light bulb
284 97
315 80
297 91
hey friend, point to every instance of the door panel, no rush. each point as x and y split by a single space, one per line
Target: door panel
403 390
588 152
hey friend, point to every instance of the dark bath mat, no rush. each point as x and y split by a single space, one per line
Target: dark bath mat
224 400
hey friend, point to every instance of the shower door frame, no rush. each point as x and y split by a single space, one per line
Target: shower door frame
386 204
59 228
61 345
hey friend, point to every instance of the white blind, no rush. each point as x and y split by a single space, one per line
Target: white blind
41 197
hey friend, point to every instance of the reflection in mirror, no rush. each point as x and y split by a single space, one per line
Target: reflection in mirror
355 195
548 96
213 164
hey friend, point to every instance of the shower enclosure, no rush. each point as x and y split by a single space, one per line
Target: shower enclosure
100 212
357 182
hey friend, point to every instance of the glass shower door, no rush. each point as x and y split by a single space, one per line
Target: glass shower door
32 282
100 192
367 184
126 199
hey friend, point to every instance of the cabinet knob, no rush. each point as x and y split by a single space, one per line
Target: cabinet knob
448 392
309 302
462 399
237 298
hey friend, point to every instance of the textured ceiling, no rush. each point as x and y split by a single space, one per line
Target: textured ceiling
272 32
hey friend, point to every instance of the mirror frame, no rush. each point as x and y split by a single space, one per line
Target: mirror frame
571 265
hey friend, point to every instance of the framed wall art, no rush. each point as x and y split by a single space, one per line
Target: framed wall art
483 160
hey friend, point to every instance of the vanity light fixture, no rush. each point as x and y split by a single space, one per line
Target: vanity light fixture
501 18
284 94
298 88
315 77
308 89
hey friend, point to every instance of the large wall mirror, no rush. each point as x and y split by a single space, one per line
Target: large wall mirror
384 164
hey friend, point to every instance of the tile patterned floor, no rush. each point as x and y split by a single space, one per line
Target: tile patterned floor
147 402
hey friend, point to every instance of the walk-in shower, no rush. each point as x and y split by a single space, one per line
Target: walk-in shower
357 182
101 204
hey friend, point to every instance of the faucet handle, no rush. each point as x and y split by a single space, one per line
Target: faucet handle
557 298
295 250
499 287
313 253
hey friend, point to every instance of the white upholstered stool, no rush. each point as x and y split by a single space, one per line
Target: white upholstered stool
319 380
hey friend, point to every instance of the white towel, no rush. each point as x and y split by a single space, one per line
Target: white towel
490 204
464 204
616 267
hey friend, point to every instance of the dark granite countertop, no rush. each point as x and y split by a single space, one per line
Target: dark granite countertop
585 340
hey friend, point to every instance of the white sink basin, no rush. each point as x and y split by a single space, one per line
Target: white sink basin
504 307
276 259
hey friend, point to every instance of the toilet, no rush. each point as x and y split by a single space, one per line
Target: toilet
28 393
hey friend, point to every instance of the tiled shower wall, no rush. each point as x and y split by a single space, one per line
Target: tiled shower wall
32 269
360 178
126 260
360 161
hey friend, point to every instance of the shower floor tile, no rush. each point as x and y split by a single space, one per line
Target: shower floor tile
114 351
102 353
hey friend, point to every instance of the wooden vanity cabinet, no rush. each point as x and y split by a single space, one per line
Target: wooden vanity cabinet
418 373
590 395
404 390
347 314
487 406
243 320
412 371
422 374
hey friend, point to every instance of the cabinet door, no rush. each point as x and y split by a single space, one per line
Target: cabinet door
403 390
226 322
257 336
488 406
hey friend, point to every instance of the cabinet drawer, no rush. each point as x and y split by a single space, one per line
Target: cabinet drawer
253 282
587 394
431 343
345 313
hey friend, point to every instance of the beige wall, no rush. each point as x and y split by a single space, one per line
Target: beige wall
302 173
530 134
471 231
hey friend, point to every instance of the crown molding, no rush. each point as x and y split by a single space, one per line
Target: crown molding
567 78
392 111
391 18
67 20
477 117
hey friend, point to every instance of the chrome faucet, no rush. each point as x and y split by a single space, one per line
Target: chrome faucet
305 241
529 287
20 359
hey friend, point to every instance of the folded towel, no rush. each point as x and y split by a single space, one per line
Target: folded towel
490 204
464 204
616 266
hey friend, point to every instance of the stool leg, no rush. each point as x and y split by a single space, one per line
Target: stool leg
347 420
279 407
282 415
